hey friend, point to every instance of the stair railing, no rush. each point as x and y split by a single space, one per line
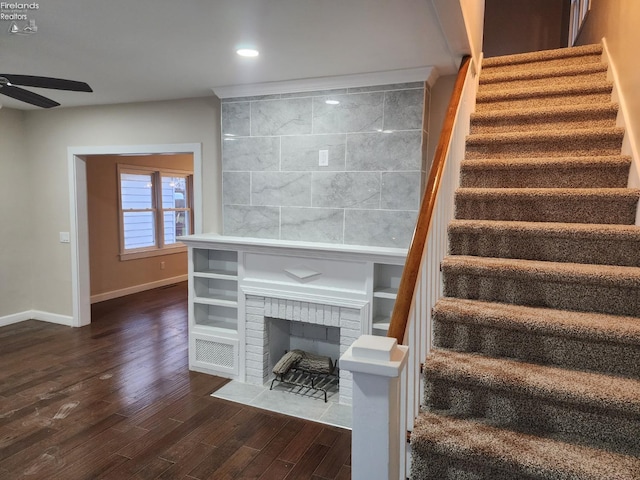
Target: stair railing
421 283
386 370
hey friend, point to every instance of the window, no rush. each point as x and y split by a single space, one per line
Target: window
579 11
155 209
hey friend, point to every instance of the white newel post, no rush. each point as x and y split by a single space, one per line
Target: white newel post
376 364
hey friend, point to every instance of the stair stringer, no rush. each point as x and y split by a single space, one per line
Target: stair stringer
629 146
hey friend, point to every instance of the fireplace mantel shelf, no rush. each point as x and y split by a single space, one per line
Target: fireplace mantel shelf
336 250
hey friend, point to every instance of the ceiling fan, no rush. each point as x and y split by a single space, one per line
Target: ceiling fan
8 87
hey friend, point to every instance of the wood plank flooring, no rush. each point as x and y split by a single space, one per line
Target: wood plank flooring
116 400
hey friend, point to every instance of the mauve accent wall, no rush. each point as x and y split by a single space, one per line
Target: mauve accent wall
368 194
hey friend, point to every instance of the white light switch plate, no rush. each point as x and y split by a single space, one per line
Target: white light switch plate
64 237
323 158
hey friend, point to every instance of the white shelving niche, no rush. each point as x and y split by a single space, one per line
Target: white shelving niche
214 311
386 280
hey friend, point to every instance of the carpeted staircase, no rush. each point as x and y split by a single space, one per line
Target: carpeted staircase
535 371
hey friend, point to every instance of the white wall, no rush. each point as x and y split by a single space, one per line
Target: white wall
473 13
617 21
48 135
16 207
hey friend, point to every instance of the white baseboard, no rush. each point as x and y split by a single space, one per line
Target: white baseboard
629 146
15 318
66 320
36 315
101 297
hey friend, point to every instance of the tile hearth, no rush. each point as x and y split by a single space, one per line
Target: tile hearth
307 405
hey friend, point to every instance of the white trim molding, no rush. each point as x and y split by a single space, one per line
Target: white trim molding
15 318
101 297
65 320
78 228
421 74
36 315
629 146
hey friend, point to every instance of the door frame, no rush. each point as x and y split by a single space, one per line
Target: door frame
79 223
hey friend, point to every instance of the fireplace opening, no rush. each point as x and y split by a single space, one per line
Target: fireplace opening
315 340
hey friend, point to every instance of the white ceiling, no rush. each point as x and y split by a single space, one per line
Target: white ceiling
146 50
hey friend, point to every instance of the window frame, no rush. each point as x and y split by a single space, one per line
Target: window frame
160 248
579 10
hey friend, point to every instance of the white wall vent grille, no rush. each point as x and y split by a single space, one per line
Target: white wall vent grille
215 353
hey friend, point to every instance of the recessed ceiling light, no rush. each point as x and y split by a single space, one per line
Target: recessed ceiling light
247 52
332 102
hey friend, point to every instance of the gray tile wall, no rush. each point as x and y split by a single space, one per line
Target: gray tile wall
369 194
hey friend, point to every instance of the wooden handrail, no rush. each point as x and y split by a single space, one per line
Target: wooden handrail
400 315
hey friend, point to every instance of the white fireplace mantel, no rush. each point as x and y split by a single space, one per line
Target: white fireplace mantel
236 283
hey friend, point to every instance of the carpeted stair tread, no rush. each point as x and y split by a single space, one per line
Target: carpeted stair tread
489 78
547 241
602 115
589 390
550 229
543 55
516 114
576 273
531 144
571 205
524 163
498 453
608 344
596 327
557 89
549 137
565 286
555 172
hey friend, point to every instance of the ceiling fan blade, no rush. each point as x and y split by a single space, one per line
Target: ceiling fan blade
27 96
47 82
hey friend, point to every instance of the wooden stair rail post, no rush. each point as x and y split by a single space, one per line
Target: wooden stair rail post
406 289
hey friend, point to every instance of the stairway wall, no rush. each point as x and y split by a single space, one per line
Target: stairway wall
617 22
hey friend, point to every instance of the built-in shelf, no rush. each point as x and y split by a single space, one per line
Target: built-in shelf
220 274
222 301
211 326
386 280
217 263
381 324
386 292
216 290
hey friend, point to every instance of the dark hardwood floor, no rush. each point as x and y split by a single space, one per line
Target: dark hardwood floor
116 400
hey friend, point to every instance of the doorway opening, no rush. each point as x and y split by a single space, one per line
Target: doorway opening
79 224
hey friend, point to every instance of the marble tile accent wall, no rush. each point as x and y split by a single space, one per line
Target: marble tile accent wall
368 193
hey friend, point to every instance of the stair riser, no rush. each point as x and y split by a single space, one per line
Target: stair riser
520 410
552 123
433 466
535 347
550 249
512 84
545 177
605 210
580 146
545 101
538 291
542 64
